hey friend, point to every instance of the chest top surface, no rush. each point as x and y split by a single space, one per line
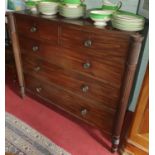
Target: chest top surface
82 23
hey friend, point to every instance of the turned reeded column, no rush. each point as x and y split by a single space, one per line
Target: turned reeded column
16 51
131 64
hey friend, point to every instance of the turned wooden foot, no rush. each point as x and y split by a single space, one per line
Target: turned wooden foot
115 143
22 91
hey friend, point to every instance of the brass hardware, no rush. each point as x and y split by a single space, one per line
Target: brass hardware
33 29
36 69
86 65
38 90
84 112
85 88
35 48
88 43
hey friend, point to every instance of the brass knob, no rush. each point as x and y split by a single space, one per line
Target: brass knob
88 43
84 112
84 88
36 69
33 29
86 65
38 90
35 48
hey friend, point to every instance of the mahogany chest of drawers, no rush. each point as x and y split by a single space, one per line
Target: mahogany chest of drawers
84 70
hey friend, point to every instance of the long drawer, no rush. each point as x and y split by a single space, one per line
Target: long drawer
37 29
93 113
73 60
82 85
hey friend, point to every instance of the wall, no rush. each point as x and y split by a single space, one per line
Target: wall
129 5
143 62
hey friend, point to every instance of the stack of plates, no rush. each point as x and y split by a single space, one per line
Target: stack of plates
72 12
48 8
72 3
127 21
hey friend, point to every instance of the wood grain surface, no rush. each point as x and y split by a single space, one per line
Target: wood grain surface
84 70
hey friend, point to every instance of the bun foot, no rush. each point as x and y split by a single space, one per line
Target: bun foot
115 143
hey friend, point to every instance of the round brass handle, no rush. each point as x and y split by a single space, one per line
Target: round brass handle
38 90
35 48
84 88
84 112
86 65
36 69
88 43
33 29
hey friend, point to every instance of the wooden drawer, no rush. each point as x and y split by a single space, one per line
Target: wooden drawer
67 39
81 85
37 29
93 113
100 42
82 63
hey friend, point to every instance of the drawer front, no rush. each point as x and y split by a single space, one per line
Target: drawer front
92 113
37 28
71 60
104 42
83 86
73 38
108 41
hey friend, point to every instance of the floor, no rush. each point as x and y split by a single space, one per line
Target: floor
69 133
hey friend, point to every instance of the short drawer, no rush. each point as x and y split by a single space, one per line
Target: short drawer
100 42
81 85
109 70
37 28
90 112
73 38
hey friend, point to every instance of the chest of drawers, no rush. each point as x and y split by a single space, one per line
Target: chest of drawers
84 70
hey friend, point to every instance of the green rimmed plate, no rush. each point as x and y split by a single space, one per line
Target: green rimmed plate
71 1
48 8
127 28
100 14
127 23
127 15
69 12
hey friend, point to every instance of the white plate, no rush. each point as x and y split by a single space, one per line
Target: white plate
72 5
127 23
127 28
48 13
128 20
